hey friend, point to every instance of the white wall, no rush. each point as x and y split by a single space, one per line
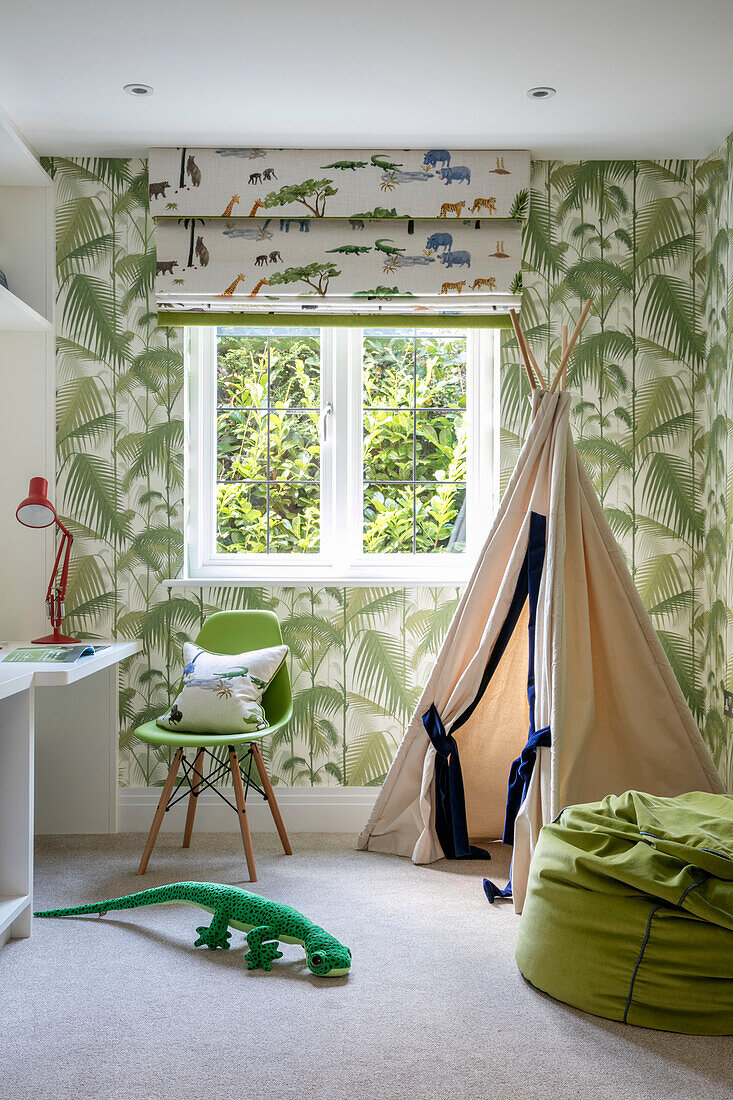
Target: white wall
24 453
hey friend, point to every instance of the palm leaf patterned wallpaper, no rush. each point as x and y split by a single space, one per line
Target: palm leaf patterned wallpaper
650 411
648 241
715 458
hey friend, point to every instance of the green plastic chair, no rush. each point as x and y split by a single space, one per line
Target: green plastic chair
226 632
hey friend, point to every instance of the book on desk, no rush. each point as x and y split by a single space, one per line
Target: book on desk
51 654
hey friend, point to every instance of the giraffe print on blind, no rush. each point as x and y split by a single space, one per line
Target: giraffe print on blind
232 287
230 206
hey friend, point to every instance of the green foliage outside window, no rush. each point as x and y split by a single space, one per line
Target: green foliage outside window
268 449
414 443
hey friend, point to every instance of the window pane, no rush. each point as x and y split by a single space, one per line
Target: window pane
388 445
241 445
295 372
242 370
441 372
440 521
241 519
440 446
388 519
294 446
295 518
268 446
414 435
388 371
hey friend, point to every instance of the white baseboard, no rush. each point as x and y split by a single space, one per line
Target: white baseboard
304 810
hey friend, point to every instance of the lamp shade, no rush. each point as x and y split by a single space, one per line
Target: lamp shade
36 510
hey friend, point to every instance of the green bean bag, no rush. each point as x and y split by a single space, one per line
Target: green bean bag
629 911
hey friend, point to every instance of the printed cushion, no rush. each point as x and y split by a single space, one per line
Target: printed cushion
222 693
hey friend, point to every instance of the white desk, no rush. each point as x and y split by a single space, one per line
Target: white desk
75 730
47 674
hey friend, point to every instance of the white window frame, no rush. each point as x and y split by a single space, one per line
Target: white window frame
341 559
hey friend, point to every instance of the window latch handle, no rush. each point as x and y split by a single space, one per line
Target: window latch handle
325 413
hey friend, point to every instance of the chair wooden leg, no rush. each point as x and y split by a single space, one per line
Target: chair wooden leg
158 819
193 797
242 812
271 800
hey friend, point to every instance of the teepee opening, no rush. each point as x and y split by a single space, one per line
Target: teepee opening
493 737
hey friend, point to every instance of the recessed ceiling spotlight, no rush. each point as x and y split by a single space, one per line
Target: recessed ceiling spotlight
139 90
541 93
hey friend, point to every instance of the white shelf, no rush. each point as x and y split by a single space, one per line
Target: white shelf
12 907
27 391
17 316
19 166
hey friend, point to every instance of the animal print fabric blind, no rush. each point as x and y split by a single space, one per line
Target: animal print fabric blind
291 233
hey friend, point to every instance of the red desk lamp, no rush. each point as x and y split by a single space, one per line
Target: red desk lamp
38 511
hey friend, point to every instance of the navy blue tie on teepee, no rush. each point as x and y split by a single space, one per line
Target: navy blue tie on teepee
450 806
450 803
519 777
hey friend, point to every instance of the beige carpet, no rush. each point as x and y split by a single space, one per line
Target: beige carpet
125 1007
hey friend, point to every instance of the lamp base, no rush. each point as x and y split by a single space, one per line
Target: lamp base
57 638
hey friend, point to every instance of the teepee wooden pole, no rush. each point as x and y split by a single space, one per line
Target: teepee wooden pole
568 350
533 361
564 380
528 353
522 350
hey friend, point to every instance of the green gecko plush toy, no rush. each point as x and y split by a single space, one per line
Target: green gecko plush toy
267 923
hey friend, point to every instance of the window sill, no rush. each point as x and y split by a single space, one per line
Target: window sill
434 578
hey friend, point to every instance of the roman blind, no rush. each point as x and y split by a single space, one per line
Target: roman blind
278 235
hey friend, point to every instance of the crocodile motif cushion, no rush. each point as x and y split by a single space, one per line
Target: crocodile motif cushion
222 693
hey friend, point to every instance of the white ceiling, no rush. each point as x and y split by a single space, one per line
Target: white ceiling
646 78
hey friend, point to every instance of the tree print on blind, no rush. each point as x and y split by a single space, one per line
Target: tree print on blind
634 236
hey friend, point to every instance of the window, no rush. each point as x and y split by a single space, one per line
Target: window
339 454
